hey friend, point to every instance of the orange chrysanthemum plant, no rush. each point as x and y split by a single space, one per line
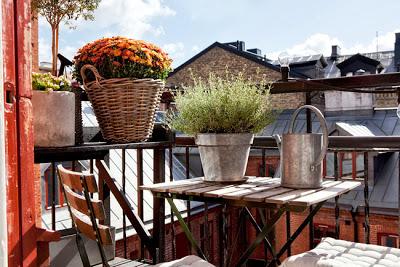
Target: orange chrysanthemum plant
120 57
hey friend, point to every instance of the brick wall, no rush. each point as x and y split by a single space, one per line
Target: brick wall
386 100
35 45
133 242
217 60
38 198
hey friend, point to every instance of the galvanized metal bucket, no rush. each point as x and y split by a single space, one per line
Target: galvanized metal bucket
224 156
303 153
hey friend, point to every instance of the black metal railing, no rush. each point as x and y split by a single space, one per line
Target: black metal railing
163 155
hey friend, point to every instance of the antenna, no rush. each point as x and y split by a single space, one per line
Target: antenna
377 45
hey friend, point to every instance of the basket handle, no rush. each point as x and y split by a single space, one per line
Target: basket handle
92 69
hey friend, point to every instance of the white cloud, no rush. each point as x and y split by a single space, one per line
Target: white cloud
68 51
176 51
321 43
315 44
131 18
173 47
385 42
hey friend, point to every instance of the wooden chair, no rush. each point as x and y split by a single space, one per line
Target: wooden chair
86 212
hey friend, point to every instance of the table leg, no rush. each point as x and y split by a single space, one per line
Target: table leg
260 237
185 228
267 244
297 232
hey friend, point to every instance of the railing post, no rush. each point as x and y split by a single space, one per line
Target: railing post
188 207
123 168
337 211
171 178
104 194
53 196
366 200
159 204
139 173
224 236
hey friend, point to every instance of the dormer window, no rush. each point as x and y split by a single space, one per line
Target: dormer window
359 65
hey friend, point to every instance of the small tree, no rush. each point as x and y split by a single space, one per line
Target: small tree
55 11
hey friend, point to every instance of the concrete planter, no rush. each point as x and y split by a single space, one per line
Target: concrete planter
224 156
53 118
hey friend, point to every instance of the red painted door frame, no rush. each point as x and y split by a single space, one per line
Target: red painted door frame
22 233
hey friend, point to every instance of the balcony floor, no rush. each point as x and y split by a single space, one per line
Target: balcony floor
120 262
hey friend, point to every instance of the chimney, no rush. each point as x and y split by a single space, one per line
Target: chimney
255 51
335 52
240 46
397 51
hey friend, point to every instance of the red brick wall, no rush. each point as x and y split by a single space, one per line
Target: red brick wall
37 192
255 163
35 45
214 214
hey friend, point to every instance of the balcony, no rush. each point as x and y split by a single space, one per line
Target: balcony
146 230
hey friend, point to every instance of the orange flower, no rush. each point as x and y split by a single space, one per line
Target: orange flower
120 52
117 53
117 64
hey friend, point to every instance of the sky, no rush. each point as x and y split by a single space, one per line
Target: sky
185 27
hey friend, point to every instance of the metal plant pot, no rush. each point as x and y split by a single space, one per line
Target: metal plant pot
224 156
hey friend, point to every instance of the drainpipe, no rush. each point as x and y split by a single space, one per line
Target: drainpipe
355 224
3 200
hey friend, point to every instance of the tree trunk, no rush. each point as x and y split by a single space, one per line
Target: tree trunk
54 49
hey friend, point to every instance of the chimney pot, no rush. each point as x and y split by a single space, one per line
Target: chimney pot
335 52
255 51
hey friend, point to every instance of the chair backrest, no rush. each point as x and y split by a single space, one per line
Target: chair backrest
84 210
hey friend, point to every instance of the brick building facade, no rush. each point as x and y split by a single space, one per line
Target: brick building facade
219 57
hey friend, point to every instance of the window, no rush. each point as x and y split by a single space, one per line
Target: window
321 231
388 240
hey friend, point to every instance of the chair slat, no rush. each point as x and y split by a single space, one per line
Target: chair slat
85 227
73 180
79 203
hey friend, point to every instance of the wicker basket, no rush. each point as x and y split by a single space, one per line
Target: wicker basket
125 108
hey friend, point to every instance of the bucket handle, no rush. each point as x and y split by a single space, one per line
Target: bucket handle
322 121
95 73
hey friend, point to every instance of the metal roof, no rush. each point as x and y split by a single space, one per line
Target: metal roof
304 60
386 58
378 122
383 195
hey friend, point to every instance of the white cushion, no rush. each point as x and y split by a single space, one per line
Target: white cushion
188 261
337 253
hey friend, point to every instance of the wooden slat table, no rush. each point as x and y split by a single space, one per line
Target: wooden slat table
262 192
